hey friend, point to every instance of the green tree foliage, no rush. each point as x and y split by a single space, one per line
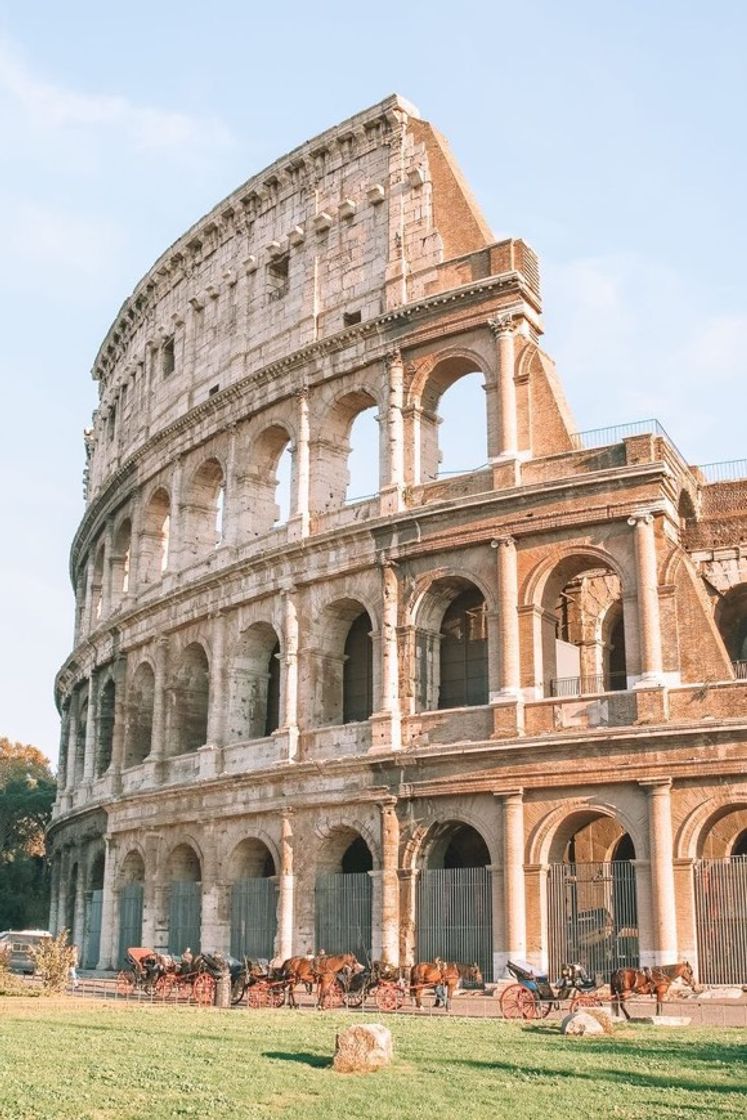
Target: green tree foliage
27 792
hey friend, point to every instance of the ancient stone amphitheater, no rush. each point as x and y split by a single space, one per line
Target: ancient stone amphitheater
495 714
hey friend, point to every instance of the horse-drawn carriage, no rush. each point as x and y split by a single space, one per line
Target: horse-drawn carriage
380 981
167 977
534 997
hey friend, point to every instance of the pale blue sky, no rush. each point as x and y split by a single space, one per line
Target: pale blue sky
609 135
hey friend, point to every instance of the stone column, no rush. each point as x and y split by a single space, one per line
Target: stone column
231 510
89 757
388 921
108 573
62 764
408 889
514 895
118 733
217 698
77 933
72 742
508 617
54 894
503 328
176 518
393 476
289 692
299 521
158 734
649 626
663 907
386 723
286 886
108 947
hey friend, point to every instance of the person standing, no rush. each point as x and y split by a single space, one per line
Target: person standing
73 971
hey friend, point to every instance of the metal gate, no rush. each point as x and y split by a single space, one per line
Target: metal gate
130 919
343 914
185 916
253 918
721 916
592 917
455 917
94 900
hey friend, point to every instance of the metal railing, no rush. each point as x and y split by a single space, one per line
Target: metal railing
731 470
740 670
603 437
584 686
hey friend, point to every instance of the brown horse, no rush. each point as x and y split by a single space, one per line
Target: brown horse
322 970
444 976
655 981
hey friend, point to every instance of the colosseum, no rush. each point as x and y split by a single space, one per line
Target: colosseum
487 715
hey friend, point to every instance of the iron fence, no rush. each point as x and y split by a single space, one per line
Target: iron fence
253 918
343 914
130 919
592 917
740 670
731 470
583 686
185 917
455 916
721 917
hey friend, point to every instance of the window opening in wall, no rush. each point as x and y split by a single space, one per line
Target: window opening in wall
283 489
219 510
126 571
351 318
357 681
213 390
278 277
462 426
112 423
464 653
163 540
168 360
272 717
363 459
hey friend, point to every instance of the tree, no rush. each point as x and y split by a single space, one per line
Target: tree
27 793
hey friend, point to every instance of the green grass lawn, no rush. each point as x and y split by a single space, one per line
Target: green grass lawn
88 1061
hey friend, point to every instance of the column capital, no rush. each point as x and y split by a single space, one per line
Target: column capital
641 517
393 357
510 795
505 323
656 785
506 541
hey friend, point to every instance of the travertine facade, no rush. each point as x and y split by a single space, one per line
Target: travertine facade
433 720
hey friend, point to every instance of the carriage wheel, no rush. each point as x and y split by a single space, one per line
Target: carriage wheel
542 1008
388 997
584 999
125 982
335 996
276 995
237 991
357 998
164 986
518 1002
258 995
203 990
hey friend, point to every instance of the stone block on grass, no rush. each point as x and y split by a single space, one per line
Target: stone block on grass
362 1048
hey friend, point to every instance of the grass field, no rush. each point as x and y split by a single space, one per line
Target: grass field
110 1062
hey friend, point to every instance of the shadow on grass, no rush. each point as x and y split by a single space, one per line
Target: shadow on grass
316 1061
625 1077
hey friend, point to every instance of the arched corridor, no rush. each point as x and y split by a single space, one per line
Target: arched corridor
343 895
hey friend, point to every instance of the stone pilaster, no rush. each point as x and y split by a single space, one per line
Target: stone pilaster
392 483
108 948
298 524
89 757
514 891
289 660
388 921
286 887
664 912
649 624
503 327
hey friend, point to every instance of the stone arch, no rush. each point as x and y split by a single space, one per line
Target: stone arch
254 683
434 378
712 829
154 538
550 836
252 872
345 856
340 850
261 507
107 700
252 858
184 871
132 866
435 822
330 473
572 592
189 700
451 643
346 685
184 862
203 510
141 695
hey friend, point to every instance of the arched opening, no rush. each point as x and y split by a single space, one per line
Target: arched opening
592 896
451 655
132 880
453 402
357 674
154 541
583 629
203 511
140 703
720 878
253 900
190 696
267 492
92 921
185 899
343 684
363 458
454 897
121 559
107 700
254 684
343 895
731 619
336 455
97 586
